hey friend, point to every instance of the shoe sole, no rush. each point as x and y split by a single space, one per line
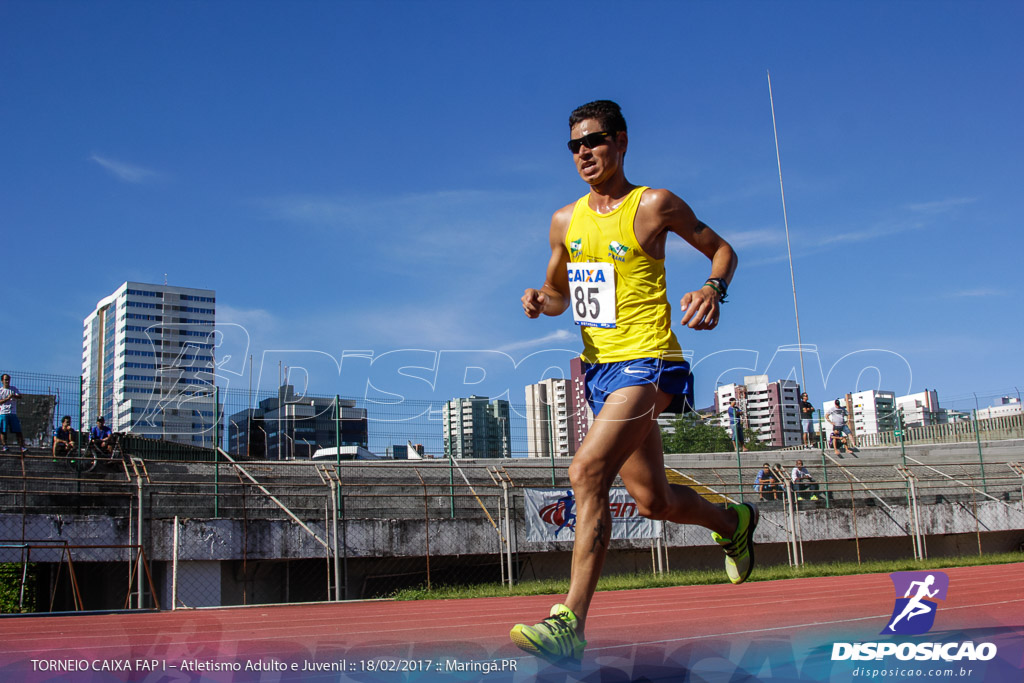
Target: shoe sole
524 643
755 517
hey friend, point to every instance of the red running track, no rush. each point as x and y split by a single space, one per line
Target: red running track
623 626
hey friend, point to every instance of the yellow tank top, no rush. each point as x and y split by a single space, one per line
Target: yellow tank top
643 326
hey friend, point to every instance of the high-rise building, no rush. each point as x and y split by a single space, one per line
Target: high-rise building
558 416
476 428
578 403
771 409
873 412
921 409
294 427
148 362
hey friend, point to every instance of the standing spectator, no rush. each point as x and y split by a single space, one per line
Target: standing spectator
837 416
766 483
63 438
803 481
9 414
736 426
807 420
102 437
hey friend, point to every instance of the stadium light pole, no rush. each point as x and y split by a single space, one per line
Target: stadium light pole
789 249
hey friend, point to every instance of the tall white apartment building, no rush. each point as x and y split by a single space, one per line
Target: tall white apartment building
873 412
921 409
148 362
772 409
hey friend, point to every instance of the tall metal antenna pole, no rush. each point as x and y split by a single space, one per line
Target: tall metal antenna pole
789 250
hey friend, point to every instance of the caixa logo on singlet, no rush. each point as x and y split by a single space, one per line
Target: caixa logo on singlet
916 596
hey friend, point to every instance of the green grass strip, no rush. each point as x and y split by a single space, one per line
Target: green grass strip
702 577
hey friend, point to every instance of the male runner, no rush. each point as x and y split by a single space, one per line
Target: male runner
607 264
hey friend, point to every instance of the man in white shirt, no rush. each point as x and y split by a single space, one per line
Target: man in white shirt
837 416
9 414
803 481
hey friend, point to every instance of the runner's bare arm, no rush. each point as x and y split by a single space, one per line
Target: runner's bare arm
553 298
700 307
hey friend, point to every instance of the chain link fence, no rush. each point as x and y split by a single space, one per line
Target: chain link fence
165 524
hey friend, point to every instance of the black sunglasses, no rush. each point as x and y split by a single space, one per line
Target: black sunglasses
590 141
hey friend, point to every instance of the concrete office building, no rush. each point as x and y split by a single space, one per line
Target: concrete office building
148 362
294 427
474 427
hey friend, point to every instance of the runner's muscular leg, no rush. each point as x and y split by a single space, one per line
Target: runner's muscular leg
619 429
644 476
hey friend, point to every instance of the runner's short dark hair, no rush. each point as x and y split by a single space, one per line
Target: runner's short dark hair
607 113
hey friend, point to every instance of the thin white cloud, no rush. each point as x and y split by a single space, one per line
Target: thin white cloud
368 213
558 336
941 206
129 173
740 240
978 292
756 238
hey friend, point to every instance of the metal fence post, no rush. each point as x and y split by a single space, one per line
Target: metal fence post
451 482
981 458
426 523
216 452
739 462
824 470
81 411
903 444
551 442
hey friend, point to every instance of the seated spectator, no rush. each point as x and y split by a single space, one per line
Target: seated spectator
838 439
64 438
101 437
837 417
766 483
803 481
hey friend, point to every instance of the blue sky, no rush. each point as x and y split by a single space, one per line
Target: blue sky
380 176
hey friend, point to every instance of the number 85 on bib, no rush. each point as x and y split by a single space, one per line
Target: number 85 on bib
592 294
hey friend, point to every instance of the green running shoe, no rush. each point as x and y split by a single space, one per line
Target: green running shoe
553 639
739 550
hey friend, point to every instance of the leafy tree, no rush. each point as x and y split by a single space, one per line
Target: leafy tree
10 588
692 435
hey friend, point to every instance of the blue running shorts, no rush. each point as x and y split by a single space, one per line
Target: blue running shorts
672 377
10 424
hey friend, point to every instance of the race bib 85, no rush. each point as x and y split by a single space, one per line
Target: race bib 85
592 294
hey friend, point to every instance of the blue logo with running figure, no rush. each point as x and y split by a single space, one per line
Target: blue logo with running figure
914 612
